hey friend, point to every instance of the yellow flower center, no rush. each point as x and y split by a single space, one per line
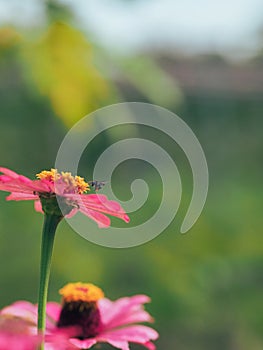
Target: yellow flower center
85 292
72 183
49 175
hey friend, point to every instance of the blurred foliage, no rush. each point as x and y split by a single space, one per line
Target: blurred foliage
206 286
151 81
62 67
55 11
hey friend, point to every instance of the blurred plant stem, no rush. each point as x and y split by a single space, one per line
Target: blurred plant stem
50 224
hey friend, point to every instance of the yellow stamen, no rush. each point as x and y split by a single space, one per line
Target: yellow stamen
86 292
81 184
73 184
49 175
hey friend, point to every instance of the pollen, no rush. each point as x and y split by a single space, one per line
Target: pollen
71 184
49 175
81 184
85 292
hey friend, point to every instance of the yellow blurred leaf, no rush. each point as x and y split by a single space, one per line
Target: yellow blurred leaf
62 67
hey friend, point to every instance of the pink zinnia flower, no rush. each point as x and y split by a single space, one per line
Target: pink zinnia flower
69 191
96 318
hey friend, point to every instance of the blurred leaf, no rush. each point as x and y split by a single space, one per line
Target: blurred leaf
151 80
62 67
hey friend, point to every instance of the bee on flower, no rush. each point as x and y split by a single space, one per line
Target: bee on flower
57 194
70 191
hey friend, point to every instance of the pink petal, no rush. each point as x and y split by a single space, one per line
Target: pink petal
13 341
13 182
83 344
95 198
149 345
24 179
18 196
124 311
53 311
39 185
5 178
101 219
99 203
137 333
20 185
134 317
38 206
119 344
21 309
58 340
9 172
28 311
14 187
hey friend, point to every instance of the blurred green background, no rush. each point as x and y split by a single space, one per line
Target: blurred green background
206 286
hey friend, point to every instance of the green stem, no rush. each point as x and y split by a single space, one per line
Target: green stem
50 224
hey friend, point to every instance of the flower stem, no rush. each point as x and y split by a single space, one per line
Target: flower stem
50 224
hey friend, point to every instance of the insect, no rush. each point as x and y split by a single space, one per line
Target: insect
97 185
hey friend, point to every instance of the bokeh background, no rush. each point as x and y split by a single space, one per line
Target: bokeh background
60 60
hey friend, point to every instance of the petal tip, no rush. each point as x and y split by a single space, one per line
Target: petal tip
126 218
